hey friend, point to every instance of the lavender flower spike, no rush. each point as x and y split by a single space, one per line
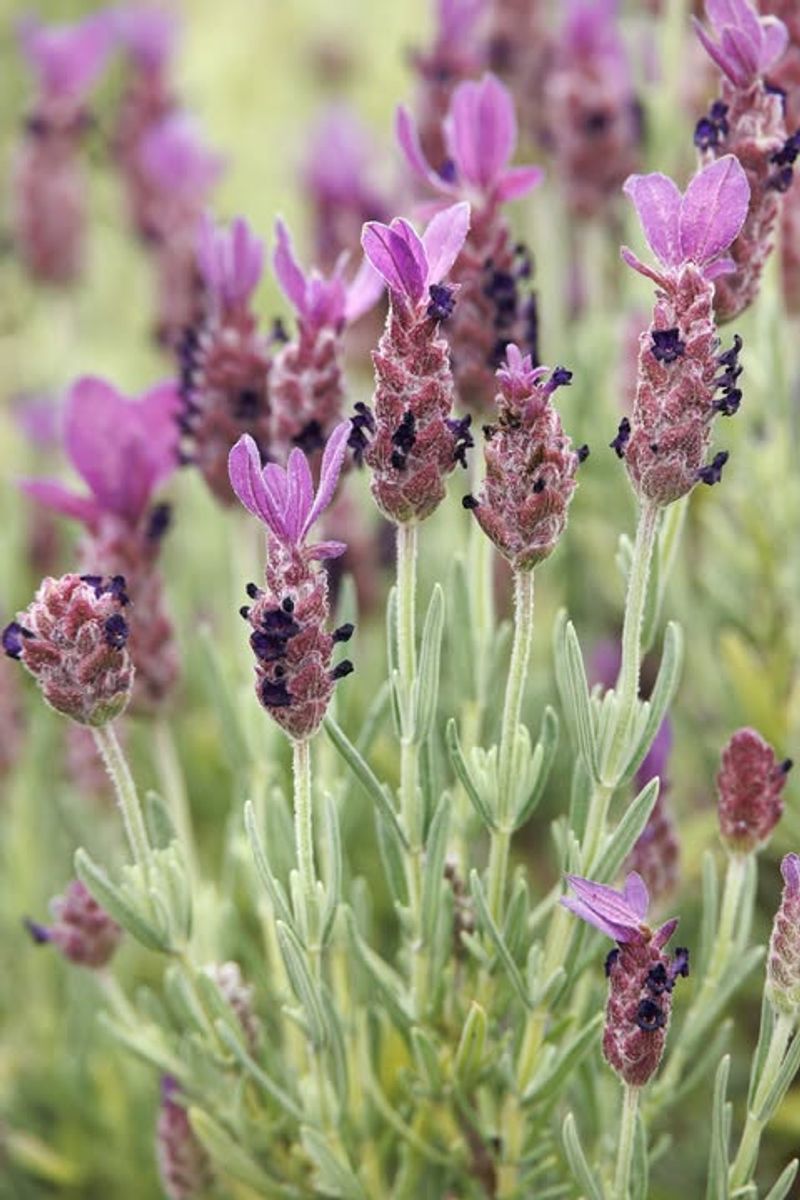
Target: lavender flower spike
746 44
481 135
783 960
411 265
67 59
696 227
619 915
284 500
319 301
231 261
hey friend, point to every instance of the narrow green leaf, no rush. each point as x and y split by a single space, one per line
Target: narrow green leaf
546 749
780 1189
333 844
426 1059
222 700
375 790
669 674
228 1156
117 905
571 678
302 981
274 889
549 1086
783 1079
471 1047
465 777
334 1177
762 1049
426 684
374 718
487 923
652 604
708 924
391 853
159 822
398 716
433 877
586 1179
387 982
718 1166
621 840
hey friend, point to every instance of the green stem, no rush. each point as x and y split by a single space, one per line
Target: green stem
747 1154
512 708
627 688
627 1131
303 829
410 805
721 954
127 796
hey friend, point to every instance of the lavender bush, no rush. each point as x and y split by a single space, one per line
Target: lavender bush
403 884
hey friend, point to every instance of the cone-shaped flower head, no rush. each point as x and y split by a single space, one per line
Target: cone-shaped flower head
183 1164
72 639
743 44
749 785
293 650
148 33
680 371
411 442
783 960
82 930
530 465
481 136
696 227
122 447
641 976
231 261
67 60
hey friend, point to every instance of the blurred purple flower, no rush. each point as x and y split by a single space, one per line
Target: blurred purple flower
122 448
657 758
176 159
284 500
410 264
619 915
481 136
318 301
67 60
746 44
231 261
148 32
697 226
590 31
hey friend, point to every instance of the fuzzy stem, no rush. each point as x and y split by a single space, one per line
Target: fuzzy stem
303 827
127 795
747 1155
410 806
627 688
515 687
627 1130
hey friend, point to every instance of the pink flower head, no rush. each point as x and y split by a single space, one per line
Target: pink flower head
175 158
590 31
746 44
619 915
481 135
783 959
122 448
284 499
318 301
231 261
82 930
339 156
67 60
517 375
750 783
697 226
148 33
410 265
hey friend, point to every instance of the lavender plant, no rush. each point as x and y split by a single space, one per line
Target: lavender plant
330 925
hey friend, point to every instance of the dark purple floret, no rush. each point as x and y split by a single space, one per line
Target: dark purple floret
310 438
787 155
280 622
116 631
274 694
469 502
362 424
39 933
268 647
13 635
650 1016
403 439
611 958
159 522
710 131
712 473
447 171
442 302
729 402
461 429
345 667
253 591
343 633
621 440
561 377
583 452
781 181
667 345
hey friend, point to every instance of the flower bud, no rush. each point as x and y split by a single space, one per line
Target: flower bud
82 930
72 640
783 961
749 784
239 995
183 1165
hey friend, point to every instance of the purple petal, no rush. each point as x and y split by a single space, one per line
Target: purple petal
518 181
60 499
664 933
398 256
713 210
712 49
657 201
244 472
148 33
618 933
636 894
157 411
720 266
408 141
289 274
68 59
300 493
332 460
248 259
324 550
607 908
775 40
481 130
96 433
363 292
627 256
741 54
174 156
790 870
443 240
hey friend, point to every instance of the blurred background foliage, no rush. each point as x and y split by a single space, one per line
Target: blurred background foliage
76 1112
